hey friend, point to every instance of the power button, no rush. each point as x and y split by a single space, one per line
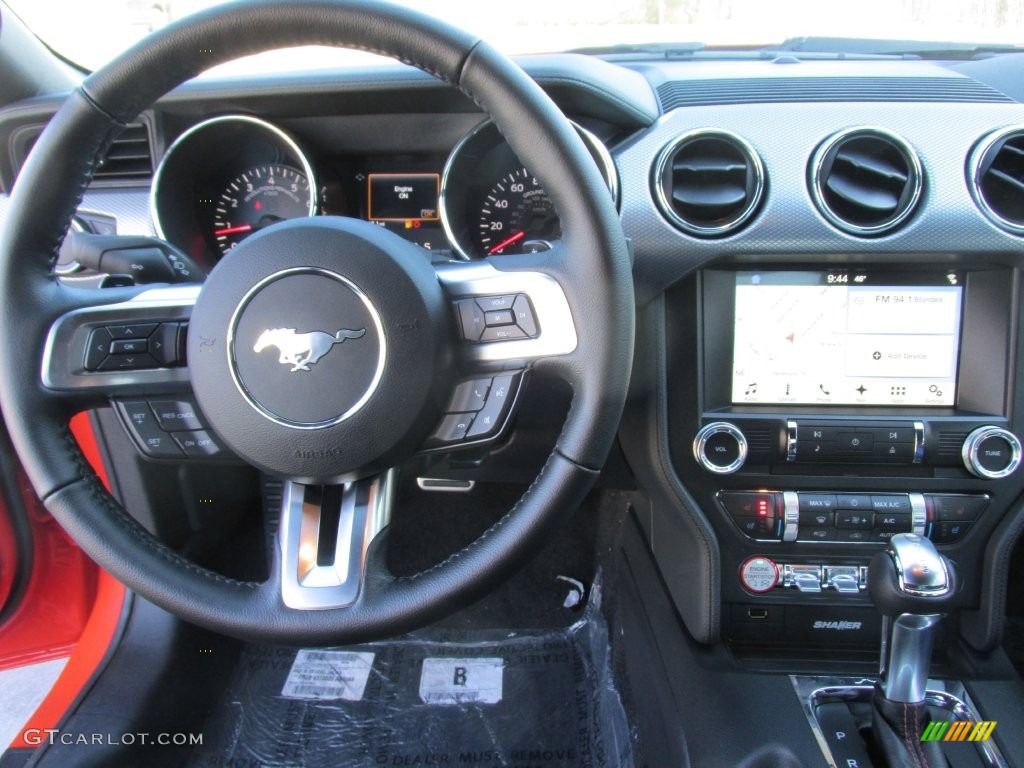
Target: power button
720 447
759 574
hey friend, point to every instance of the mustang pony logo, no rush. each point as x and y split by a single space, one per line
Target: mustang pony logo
301 350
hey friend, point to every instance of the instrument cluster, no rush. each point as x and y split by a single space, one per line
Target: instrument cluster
229 177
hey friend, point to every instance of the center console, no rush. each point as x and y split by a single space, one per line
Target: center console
815 413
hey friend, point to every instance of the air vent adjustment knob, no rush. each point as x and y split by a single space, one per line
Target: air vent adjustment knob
991 453
720 447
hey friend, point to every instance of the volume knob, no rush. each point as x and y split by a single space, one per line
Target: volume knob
991 452
720 447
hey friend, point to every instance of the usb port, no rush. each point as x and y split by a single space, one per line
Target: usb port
757 614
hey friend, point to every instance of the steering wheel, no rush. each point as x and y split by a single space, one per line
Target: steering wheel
332 419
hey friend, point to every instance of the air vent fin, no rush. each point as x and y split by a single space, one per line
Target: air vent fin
999 178
760 440
866 181
129 157
708 183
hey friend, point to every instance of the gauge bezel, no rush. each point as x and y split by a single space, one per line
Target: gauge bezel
466 251
189 135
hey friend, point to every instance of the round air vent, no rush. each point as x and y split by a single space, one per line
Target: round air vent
997 178
866 181
708 183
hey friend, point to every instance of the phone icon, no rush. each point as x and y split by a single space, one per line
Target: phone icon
822 388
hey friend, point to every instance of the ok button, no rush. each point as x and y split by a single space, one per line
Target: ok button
855 441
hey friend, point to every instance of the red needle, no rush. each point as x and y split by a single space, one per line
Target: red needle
233 230
505 243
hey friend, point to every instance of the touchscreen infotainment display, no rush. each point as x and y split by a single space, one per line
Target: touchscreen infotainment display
846 338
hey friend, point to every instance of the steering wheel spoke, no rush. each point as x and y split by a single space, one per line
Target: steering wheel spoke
507 317
324 533
121 349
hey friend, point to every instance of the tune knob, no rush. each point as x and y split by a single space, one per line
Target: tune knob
991 452
720 447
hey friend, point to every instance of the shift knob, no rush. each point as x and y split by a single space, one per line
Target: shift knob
910 576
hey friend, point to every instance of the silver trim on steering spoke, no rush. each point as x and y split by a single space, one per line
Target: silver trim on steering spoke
364 510
63 365
557 331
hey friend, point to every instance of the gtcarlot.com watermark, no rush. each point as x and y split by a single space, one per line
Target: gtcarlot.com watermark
38 736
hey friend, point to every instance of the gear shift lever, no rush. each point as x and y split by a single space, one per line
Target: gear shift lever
912 585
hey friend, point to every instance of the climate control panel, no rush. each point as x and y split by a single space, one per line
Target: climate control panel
857 518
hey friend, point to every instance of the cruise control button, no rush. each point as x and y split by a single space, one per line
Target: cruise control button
853 501
199 444
524 315
489 420
502 333
899 503
494 303
98 349
128 363
177 415
947 507
469 396
501 317
151 438
471 319
133 331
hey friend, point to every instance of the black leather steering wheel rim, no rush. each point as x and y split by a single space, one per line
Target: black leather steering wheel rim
594 261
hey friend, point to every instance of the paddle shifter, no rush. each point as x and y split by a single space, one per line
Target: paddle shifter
912 585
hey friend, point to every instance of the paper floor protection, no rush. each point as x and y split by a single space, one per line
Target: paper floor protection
454 699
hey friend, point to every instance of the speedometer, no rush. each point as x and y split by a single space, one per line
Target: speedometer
257 198
517 217
492 205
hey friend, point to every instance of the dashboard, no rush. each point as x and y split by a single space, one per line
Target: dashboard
827 268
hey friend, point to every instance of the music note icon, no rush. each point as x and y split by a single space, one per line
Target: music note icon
751 389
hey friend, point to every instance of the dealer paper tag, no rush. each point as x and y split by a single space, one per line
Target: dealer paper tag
459 681
328 675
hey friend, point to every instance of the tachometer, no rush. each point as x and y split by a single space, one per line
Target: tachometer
517 216
257 198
